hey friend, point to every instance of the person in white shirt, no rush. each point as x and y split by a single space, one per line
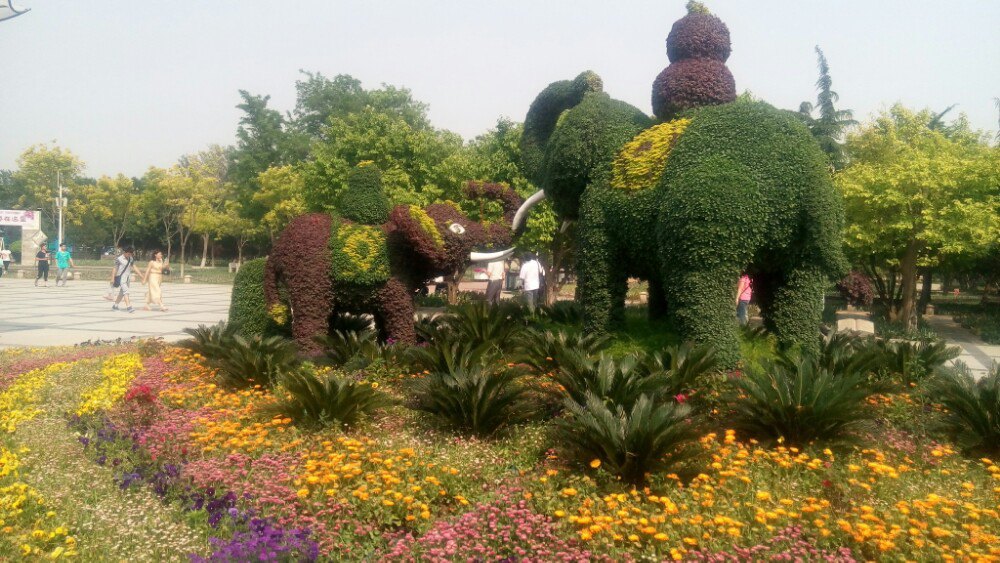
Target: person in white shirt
495 272
531 278
5 255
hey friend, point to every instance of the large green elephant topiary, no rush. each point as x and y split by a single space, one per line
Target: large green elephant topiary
717 187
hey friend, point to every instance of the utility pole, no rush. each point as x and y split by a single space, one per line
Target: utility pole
60 203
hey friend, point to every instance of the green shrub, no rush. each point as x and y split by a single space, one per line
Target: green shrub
629 441
364 201
562 312
210 340
544 350
346 322
683 365
797 399
909 362
447 353
248 308
327 399
615 381
354 350
256 360
843 352
482 324
475 398
972 409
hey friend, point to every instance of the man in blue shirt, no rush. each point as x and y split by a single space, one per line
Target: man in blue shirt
64 261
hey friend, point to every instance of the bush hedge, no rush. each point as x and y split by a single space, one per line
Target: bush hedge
691 83
699 34
248 308
364 200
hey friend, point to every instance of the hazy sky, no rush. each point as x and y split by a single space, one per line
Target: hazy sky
127 84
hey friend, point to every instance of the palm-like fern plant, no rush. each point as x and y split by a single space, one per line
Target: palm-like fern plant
327 399
682 365
544 351
210 340
629 441
255 361
475 398
614 381
914 361
972 413
359 348
797 399
482 324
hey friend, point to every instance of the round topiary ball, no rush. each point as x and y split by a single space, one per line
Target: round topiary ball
698 35
692 83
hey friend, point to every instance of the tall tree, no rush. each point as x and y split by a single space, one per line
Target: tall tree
261 142
107 209
281 197
829 127
35 179
913 194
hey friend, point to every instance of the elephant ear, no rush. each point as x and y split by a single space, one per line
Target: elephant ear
418 232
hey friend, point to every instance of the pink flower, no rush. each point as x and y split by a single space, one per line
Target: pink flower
680 398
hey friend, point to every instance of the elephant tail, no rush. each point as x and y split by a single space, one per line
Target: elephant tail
543 115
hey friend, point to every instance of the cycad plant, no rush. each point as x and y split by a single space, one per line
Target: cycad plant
257 360
210 340
545 350
615 381
327 399
448 353
357 348
682 364
841 352
972 412
474 398
628 441
912 362
562 312
482 324
798 399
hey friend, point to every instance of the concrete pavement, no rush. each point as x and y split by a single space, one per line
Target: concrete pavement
977 355
54 316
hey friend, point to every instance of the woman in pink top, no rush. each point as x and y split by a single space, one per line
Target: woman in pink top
744 291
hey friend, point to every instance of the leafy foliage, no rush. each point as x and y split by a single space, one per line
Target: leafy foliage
359 254
480 324
210 340
629 441
640 163
856 289
355 349
326 399
364 201
972 409
914 361
545 350
799 400
829 128
256 360
692 83
248 308
700 35
473 398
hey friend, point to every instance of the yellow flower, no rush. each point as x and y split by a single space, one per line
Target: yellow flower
303 492
595 463
568 492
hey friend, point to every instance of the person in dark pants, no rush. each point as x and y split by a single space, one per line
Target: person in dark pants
42 260
495 272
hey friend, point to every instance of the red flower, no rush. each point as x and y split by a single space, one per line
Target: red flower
680 397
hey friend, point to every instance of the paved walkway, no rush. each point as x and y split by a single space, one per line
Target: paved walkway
976 354
53 316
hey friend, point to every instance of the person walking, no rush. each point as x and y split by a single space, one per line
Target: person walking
153 277
5 257
121 278
42 261
744 291
495 272
64 261
531 278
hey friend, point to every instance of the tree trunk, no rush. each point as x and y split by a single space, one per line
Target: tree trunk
908 269
925 289
451 283
204 250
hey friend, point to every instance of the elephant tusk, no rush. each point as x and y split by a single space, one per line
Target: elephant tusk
522 212
491 256
565 226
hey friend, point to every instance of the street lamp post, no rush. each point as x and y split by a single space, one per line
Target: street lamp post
59 205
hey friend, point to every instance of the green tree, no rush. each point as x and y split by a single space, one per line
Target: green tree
829 127
106 210
280 197
261 142
913 194
35 179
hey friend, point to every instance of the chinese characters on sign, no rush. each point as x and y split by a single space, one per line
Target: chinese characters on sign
19 218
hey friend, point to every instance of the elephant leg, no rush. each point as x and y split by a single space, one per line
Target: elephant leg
310 315
599 289
703 306
394 312
796 310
